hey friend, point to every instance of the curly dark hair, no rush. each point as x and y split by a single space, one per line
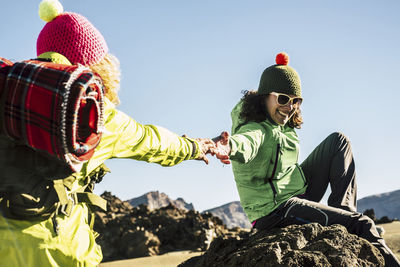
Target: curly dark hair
254 109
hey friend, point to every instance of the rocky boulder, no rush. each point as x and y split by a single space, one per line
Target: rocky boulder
129 232
295 245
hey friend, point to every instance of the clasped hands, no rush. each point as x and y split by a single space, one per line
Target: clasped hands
218 147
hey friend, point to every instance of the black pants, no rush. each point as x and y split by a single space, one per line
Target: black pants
331 163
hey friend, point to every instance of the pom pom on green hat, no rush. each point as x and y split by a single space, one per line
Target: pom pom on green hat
280 78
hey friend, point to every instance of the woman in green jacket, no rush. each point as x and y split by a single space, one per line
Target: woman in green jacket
35 234
274 189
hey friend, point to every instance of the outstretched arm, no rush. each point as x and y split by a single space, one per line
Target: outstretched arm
154 144
242 146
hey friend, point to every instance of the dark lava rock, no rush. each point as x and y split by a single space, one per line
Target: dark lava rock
295 245
130 232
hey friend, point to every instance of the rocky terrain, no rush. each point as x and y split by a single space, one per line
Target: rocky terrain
385 204
232 214
130 232
155 200
295 245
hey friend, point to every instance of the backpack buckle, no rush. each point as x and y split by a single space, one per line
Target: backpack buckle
67 208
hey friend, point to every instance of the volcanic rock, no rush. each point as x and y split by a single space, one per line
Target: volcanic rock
129 232
295 245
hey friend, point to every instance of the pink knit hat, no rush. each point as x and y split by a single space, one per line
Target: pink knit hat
73 36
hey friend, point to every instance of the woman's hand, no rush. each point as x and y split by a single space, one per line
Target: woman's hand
223 148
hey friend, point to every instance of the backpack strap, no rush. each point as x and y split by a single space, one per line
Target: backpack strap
83 195
61 191
57 198
92 199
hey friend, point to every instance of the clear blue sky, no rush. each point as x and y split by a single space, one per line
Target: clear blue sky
184 65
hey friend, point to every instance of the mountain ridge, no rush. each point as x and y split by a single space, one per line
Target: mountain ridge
384 204
155 200
233 215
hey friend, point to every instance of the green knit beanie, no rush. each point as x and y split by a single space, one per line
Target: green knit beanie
280 78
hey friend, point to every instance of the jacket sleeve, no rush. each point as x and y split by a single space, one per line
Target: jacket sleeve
246 142
148 142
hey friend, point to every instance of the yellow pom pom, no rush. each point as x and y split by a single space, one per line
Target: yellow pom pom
50 9
55 58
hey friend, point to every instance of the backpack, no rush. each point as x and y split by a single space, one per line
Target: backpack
51 118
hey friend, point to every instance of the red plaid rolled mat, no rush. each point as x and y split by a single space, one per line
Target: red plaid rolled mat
53 108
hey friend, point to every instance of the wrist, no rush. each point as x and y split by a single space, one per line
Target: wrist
194 150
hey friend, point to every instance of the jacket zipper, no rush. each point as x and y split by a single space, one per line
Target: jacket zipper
278 148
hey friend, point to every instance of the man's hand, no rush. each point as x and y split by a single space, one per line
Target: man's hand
223 149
